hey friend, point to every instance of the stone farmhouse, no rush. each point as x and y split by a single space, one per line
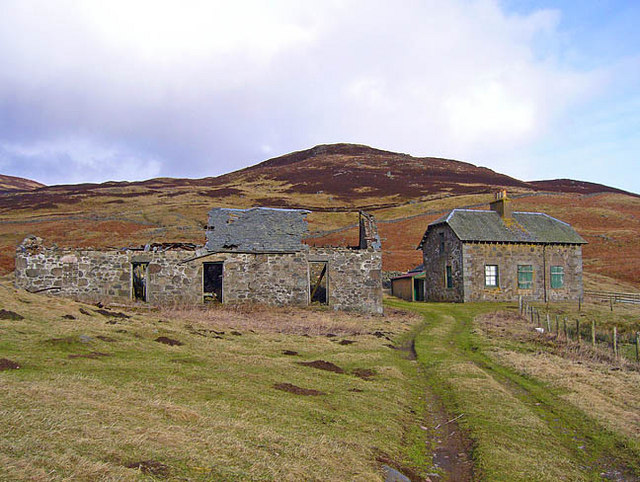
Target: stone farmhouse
251 255
500 255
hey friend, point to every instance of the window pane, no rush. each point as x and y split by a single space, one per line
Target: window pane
491 275
557 276
525 276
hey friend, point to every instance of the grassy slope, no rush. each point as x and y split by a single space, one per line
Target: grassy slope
526 423
208 409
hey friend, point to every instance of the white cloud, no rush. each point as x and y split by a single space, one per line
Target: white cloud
204 87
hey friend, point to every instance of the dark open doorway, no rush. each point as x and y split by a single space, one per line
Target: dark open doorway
418 294
318 282
212 282
139 281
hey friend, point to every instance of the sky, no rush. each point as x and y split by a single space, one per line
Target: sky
92 91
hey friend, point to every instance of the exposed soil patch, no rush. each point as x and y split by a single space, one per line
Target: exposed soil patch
356 390
288 387
290 352
112 314
150 467
108 339
68 317
346 342
85 312
168 341
236 333
10 315
322 365
364 373
92 355
6 364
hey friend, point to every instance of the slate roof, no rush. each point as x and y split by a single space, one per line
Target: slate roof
256 230
488 226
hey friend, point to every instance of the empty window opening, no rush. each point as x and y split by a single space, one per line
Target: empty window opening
318 283
491 275
139 281
212 282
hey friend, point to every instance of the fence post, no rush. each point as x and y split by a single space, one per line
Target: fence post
638 346
579 303
538 317
531 315
557 327
548 323
578 331
593 332
566 333
611 302
615 342
520 304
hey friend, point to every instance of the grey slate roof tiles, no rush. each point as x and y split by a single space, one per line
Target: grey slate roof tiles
523 227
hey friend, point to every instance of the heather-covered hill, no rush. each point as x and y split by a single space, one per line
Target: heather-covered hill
404 192
12 183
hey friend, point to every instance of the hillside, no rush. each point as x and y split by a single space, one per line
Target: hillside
12 183
404 192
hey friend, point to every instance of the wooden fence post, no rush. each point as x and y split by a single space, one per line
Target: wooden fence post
578 331
638 346
566 333
557 327
611 302
548 323
520 304
579 303
538 317
532 315
615 342
593 332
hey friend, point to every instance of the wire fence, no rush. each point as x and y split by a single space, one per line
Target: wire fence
621 340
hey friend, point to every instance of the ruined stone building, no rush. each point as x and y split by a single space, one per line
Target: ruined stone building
499 255
250 255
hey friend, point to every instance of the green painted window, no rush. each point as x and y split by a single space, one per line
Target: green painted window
491 275
449 277
525 276
557 276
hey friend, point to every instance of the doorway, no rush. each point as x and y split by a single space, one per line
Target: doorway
139 281
212 274
318 283
418 293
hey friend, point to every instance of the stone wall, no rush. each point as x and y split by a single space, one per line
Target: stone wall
507 257
92 274
435 262
355 278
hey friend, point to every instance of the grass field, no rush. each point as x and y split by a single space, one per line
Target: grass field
251 394
254 393
533 412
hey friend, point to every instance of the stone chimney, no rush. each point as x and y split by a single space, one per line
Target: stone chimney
502 205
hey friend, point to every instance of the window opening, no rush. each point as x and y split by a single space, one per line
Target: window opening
441 243
525 276
139 281
557 277
491 275
212 274
449 277
318 283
